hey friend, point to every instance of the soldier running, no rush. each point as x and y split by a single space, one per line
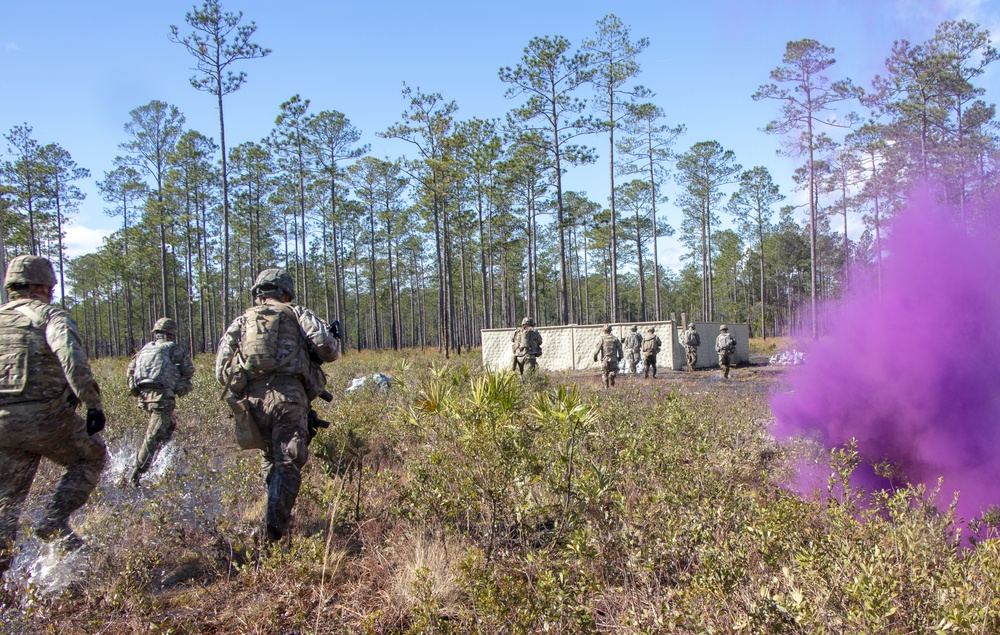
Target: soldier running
633 348
608 353
690 340
159 372
44 375
725 346
526 346
651 344
267 360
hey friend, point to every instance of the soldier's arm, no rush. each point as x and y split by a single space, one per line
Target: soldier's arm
186 368
228 346
64 340
318 335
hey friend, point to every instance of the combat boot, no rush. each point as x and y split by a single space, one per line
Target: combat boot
60 533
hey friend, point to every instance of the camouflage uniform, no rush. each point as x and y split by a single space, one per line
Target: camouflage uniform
40 419
725 346
690 340
158 399
608 353
526 346
279 401
650 348
633 349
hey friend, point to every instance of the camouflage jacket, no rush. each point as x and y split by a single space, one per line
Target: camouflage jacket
314 338
609 346
725 343
526 341
56 359
633 342
690 337
178 357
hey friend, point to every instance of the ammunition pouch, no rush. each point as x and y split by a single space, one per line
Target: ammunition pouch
245 428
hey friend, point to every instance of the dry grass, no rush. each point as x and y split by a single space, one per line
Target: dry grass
492 512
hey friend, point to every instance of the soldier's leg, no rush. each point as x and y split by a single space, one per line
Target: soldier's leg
290 440
653 365
17 470
84 457
531 363
613 374
159 432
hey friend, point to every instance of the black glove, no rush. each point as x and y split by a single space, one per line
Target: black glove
95 420
335 329
314 423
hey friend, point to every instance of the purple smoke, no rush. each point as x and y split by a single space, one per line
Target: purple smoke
913 375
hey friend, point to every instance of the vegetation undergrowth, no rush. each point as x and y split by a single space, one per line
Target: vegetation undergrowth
460 501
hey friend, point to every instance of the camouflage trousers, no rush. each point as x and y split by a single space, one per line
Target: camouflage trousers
519 362
724 361
280 408
26 435
633 358
649 365
160 430
692 356
609 370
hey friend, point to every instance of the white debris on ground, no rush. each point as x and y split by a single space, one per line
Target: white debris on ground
791 357
379 380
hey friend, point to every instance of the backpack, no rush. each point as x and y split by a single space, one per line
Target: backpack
266 326
651 345
15 346
154 368
728 343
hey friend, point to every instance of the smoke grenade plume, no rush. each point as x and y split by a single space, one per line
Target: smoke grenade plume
914 374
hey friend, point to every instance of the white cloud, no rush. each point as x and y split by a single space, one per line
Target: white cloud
10 46
83 240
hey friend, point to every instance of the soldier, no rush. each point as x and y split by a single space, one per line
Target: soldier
633 348
157 374
725 346
526 346
608 353
269 360
690 340
44 375
651 344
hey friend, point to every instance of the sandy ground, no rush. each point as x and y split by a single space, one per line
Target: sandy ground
756 377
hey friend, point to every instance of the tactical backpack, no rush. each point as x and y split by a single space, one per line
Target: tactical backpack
266 327
728 343
154 368
15 348
651 345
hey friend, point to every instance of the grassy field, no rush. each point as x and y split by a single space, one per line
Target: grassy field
465 502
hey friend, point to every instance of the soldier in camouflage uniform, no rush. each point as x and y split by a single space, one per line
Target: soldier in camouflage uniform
690 340
44 375
633 348
651 344
526 346
725 346
278 399
608 353
159 372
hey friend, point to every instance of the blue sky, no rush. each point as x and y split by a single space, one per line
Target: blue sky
73 70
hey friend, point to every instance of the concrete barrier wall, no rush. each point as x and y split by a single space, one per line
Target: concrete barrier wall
572 347
707 357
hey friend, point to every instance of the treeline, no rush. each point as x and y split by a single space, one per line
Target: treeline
474 227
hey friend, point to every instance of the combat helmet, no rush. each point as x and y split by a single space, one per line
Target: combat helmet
634 328
607 328
165 325
29 270
723 327
274 279
527 321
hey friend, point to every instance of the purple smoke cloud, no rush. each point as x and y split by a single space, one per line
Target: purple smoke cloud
913 375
